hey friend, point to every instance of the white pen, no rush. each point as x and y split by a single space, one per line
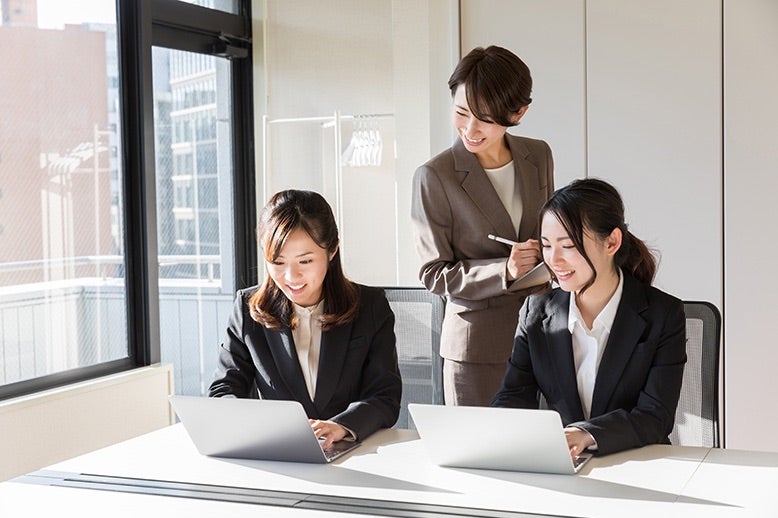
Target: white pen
502 240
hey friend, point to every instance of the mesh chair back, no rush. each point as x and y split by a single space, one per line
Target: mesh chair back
418 319
697 416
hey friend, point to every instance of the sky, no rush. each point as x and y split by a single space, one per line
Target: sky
54 14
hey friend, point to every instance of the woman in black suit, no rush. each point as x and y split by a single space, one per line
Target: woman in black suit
605 349
308 333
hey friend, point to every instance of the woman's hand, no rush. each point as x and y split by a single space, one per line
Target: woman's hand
524 256
578 440
328 430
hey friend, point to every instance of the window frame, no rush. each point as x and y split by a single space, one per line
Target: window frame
140 25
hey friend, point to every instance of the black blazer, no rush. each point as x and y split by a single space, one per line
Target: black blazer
639 379
358 383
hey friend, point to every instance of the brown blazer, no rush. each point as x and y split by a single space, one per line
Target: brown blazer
454 208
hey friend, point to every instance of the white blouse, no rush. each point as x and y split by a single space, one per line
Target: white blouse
307 342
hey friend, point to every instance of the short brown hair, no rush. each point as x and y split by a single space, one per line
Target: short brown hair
497 83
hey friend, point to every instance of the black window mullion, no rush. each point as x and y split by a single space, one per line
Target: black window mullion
244 181
135 36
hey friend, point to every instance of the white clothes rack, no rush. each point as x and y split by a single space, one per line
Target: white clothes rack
329 121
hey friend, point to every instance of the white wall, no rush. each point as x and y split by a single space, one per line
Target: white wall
549 36
356 58
625 92
54 425
751 189
644 105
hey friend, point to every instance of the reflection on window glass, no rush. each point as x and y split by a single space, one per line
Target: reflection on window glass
62 288
194 212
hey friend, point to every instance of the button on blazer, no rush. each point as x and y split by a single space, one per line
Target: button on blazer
358 383
638 382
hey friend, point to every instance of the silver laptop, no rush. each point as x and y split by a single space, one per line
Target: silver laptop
257 429
509 439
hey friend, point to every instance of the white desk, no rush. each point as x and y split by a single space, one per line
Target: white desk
657 481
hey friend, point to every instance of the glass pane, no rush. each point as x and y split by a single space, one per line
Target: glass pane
370 120
192 127
62 288
230 6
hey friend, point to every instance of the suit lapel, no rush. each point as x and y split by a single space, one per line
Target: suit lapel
478 187
282 348
560 347
625 334
528 185
334 348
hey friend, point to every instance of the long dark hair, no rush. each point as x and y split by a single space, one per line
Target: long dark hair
595 206
286 212
497 83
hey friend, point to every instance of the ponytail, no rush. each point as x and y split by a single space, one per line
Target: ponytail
636 258
595 205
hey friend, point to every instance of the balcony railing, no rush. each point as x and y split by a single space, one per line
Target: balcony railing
56 325
101 262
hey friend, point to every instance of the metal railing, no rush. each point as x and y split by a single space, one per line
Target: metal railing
102 261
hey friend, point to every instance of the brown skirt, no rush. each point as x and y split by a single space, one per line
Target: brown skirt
471 384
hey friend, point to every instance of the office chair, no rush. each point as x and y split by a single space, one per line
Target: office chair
697 416
418 320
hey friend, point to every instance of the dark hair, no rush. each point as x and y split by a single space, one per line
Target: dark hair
286 212
497 83
595 205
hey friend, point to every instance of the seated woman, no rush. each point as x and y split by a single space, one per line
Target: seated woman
308 333
605 349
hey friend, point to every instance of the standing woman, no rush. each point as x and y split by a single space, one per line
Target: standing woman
308 333
488 182
605 349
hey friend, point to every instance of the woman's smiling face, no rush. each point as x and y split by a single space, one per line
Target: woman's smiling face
479 137
300 268
568 265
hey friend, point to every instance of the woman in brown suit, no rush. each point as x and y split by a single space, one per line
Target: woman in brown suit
488 182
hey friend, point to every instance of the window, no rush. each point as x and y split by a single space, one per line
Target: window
100 234
193 298
63 297
196 284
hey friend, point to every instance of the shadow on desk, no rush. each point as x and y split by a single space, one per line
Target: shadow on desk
587 487
341 475
329 476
